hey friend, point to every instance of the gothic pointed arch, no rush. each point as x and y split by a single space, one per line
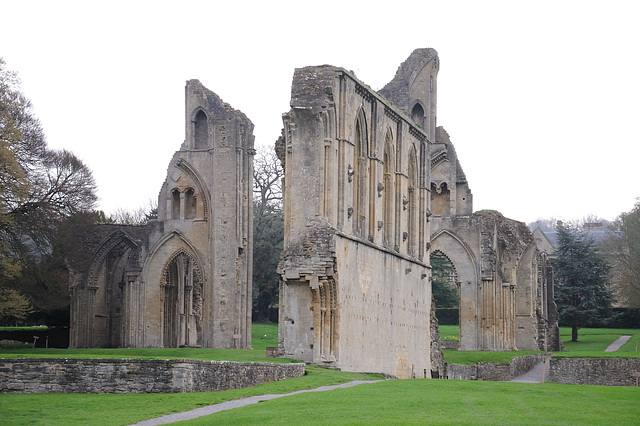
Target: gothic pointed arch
361 174
388 191
458 252
413 194
200 123
466 266
445 287
180 241
418 113
103 294
181 292
201 194
174 270
117 239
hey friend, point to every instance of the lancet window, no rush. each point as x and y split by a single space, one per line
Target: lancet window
361 176
200 130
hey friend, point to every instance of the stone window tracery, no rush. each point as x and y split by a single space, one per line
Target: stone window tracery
183 204
181 301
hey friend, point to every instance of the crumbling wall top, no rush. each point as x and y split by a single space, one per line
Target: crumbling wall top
397 90
442 137
312 86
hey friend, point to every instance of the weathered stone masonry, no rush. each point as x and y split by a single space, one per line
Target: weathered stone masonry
372 187
56 375
185 279
355 290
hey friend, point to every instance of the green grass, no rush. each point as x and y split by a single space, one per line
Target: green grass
390 402
34 409
597 339
593 341
263 335
591 344
445 402
397 401
449 332
64 409
25 328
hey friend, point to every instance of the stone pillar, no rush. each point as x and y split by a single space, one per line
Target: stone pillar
183 204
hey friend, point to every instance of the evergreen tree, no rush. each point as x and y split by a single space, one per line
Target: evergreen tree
582 292
268 238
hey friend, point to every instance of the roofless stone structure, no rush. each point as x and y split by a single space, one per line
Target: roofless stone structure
372 188
185 279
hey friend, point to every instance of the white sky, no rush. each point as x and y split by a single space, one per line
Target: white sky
540 98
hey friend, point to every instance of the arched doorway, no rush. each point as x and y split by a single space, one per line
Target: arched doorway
446 289
182 302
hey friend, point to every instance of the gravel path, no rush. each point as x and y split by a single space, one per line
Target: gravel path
616 345
538 374
228 405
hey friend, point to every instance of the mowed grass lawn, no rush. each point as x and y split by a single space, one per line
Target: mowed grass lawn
591 344
394 401
423 401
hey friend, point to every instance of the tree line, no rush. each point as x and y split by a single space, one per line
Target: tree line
594 275
42 190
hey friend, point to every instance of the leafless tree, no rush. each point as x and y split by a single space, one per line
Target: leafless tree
267 181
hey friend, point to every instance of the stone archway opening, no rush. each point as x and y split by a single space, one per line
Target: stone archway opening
446 289
182 303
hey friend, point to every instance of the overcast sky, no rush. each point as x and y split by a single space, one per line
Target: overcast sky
541 98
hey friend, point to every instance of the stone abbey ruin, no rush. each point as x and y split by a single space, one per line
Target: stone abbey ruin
372 189
184 279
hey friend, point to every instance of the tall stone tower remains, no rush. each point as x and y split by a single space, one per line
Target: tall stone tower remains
355 291
372 188
185 279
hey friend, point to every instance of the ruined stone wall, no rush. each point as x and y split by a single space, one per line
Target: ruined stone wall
55 375
494 371
355 290
187 280
595 371
573 371
506 284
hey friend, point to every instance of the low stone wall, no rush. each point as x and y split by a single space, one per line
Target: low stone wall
449 344
57 375
461 372
595 371
492 371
